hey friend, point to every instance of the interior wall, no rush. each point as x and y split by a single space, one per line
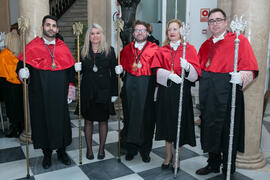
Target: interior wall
5 17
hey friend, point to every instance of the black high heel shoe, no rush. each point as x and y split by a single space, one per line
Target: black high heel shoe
165 166
89 156
101 156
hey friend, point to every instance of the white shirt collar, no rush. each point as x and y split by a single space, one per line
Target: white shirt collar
48 42
216 39
175 45
139 45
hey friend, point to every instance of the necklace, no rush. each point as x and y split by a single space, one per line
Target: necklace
52 55
137 64
172 58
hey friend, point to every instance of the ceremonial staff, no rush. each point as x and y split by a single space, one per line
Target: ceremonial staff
237 25
118 25
184 31
23 24
77 30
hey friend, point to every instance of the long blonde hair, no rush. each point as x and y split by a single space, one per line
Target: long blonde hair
167 41
103 46
12 42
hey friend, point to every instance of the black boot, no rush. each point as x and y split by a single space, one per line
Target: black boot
47 162
63 157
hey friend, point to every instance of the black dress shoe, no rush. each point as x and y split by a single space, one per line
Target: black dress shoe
165 166
90 156
206 170
145 158
46 162
63 157
129 157
101 156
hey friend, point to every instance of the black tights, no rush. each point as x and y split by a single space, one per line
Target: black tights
103 131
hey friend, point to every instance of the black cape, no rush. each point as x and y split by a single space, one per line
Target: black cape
167 108
140 100
49 115
215 105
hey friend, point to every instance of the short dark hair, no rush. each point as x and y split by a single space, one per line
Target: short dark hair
49 17
217 10
138 22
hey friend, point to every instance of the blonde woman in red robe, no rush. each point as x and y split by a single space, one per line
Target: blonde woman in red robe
168 65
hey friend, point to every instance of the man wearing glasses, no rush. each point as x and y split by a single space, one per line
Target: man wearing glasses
216 57
136 59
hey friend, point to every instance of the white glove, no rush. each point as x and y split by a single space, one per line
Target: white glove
69 101
114 98
175 78
118 69
24 73
236 78
185 65
78 66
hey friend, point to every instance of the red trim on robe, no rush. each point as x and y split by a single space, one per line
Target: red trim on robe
222 55
163 58
38 56
128 58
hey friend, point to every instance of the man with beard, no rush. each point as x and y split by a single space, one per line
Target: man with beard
50 74
136 59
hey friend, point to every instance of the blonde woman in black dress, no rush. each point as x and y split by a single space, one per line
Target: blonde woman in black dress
98 86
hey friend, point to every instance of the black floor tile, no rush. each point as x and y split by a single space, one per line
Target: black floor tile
105 170
159 174
11 154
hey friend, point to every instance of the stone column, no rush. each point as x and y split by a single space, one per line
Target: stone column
35 11
5 17
257 16
226 5
100 12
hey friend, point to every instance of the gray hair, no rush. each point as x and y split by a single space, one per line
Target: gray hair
103 46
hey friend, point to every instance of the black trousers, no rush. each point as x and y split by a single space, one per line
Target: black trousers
48 151
144 149
215 160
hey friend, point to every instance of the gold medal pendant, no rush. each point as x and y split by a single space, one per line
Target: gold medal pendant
53 65
135 66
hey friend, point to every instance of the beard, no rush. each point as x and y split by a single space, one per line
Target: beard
140 40
46 33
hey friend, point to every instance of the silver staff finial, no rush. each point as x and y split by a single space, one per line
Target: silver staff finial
184 31
238 25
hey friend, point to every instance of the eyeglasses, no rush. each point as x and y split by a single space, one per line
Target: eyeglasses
140 31
215 21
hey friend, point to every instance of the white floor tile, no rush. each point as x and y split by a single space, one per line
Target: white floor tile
137 165
73 173
13 170
130 177
9 143
74 155
192 164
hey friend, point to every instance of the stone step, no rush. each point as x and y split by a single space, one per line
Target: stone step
74 19
69 23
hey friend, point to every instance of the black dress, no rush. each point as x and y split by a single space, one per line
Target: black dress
98 87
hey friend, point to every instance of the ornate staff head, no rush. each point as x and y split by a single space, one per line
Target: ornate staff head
238 25
118 24
77 28
23 23
184 31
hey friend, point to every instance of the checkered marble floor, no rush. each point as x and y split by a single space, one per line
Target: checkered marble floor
13 160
